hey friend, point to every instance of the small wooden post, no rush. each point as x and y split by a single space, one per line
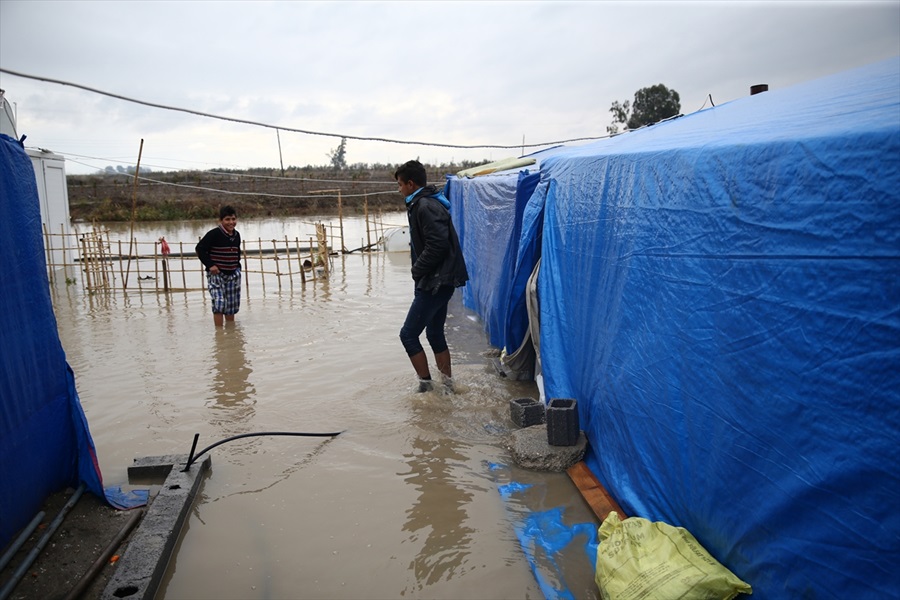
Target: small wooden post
341 221
277 263
65 251
181 256
133 211
121 273
156 254
300 262
323 245
84 261
262 271
287 249
246 268
137 261
366 212
48 251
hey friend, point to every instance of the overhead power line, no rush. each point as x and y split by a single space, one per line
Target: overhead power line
69 156
247 193
292 129
268 194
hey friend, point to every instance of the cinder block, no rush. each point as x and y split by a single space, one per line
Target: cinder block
562 422
526 412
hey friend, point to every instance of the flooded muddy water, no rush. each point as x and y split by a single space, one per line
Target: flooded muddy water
410 501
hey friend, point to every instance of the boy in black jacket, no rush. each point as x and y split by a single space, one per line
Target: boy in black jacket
438 268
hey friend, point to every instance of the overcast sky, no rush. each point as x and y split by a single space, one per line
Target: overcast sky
458 73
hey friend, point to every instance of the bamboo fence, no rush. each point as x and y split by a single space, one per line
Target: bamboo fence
103 265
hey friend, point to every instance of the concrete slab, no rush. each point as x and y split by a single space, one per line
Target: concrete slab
142 566
531 450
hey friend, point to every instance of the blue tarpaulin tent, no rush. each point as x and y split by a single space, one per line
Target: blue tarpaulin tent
45 444
721 294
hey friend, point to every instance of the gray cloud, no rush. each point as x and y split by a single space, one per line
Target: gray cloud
447 72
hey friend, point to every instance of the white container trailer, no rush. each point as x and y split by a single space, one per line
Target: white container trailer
50 173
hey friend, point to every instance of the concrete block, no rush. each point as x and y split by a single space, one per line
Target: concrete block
530 450
526 412
562 422
140 571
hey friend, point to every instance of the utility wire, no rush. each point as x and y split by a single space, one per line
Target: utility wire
227 174
234 193
130 176
291 129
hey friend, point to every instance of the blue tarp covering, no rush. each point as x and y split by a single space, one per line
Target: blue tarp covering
488 213
483 213
45 444
721 294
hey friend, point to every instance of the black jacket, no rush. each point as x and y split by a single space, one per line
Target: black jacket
437 258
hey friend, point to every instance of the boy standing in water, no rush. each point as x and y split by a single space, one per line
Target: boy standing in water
220 253
438 268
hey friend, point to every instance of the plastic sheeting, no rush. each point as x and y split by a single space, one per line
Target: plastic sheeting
45 444
721 294
489 214
483 212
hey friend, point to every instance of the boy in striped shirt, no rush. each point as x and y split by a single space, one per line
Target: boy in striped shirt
220 253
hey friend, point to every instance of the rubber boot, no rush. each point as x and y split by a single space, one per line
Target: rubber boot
420 364
442 359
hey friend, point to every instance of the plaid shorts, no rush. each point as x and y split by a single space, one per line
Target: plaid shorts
225 291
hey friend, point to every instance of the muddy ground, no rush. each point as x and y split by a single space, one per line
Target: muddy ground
85 532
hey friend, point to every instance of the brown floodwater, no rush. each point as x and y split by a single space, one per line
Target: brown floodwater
405 503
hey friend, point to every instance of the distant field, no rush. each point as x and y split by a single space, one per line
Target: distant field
178 195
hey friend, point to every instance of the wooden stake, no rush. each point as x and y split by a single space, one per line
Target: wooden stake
133 211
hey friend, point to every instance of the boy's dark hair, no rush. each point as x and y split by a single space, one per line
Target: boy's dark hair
413 171
227 211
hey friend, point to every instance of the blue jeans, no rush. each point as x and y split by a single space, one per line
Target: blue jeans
427 313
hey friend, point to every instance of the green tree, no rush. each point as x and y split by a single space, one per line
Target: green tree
651 105
338 156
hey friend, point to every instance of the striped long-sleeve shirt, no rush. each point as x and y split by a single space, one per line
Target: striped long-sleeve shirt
220 249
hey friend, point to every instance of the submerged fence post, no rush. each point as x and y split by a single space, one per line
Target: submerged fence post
84 259
246 268
366 212
277 263
323 245
181 257
121 273
300 262
156 266
137 262
262 270
48 251
287 249
66 250
341 221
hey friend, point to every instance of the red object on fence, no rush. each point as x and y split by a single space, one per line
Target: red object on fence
164 246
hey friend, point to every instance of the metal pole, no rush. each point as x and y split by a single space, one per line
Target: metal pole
32 556
21 539
101 561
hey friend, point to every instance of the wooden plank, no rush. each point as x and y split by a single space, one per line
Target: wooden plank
593 492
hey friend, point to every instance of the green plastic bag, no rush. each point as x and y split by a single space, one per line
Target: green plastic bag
640 560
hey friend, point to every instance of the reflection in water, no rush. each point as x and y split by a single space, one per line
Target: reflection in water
277 514
439 508
232 391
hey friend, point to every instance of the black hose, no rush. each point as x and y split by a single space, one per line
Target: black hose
192 457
